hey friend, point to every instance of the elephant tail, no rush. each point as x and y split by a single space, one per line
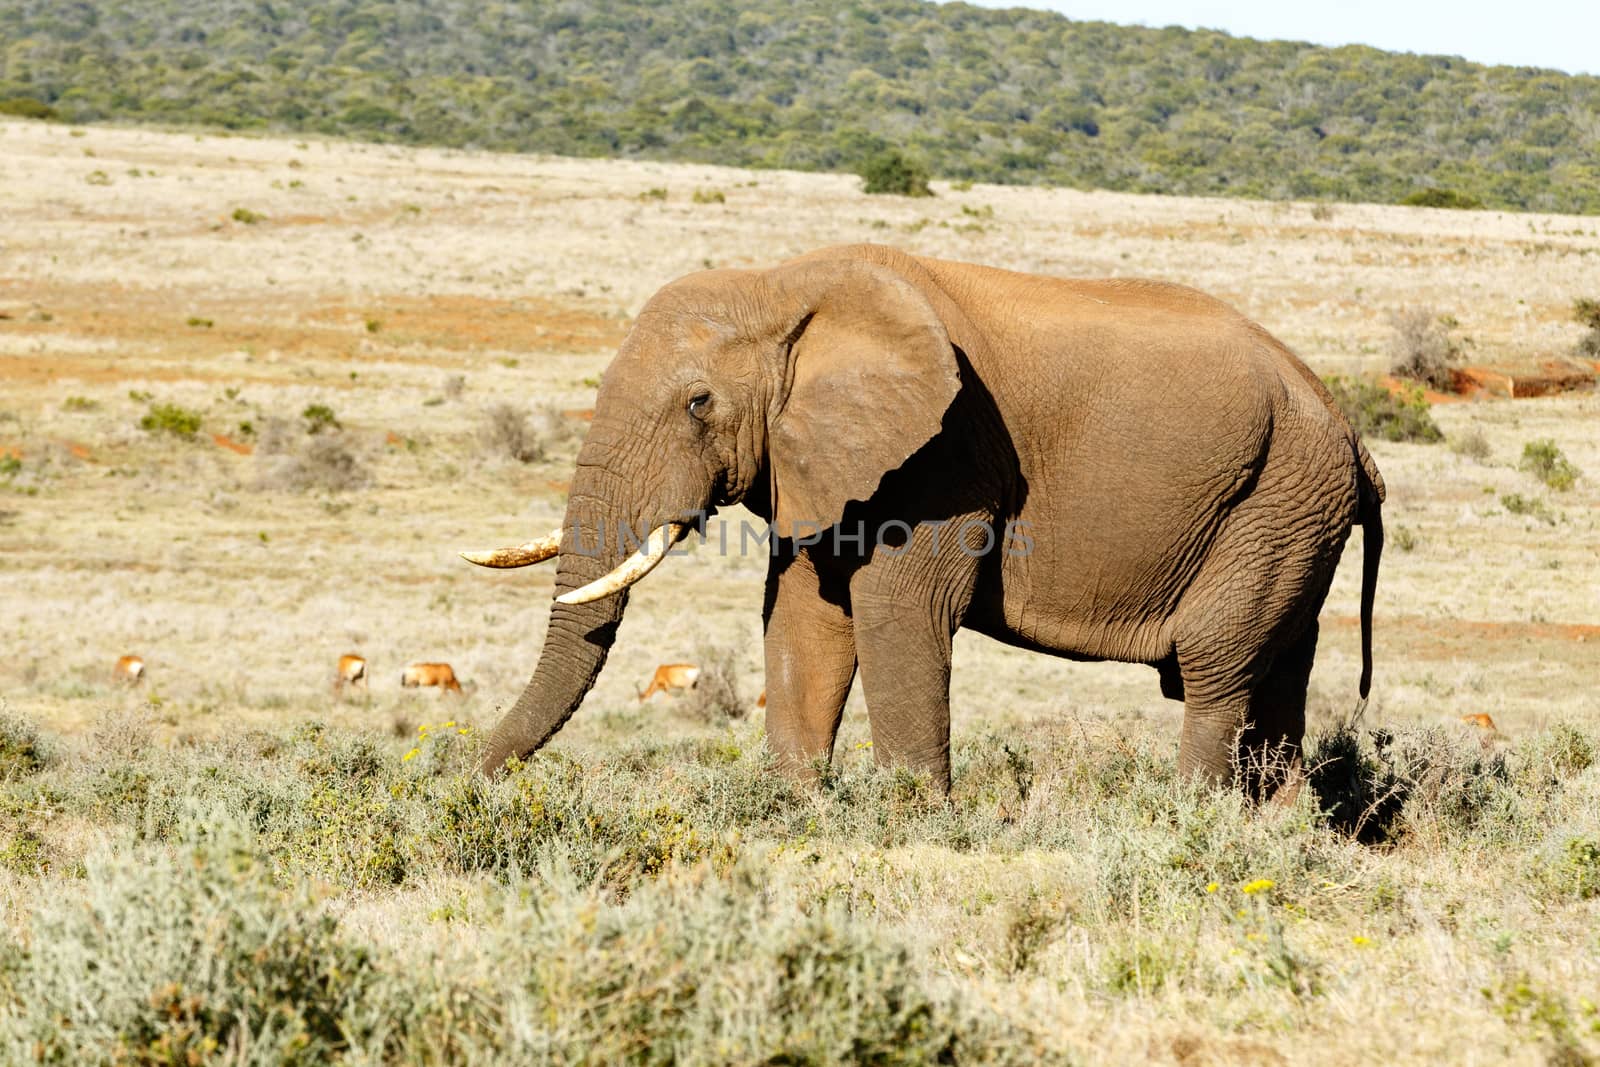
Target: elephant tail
1370 515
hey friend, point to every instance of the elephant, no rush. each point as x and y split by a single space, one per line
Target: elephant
1115 469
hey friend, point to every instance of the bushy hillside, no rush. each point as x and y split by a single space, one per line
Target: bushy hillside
1011 96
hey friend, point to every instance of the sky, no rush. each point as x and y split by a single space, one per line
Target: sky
1561 34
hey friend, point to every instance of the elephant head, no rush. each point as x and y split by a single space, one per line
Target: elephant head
793 389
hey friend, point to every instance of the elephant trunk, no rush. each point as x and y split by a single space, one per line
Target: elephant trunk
579 636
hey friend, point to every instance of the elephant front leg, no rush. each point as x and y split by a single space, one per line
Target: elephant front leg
810 663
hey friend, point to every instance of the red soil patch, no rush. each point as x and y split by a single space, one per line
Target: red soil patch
144 323
1546 378
1400 388
222 440
1467 639
560 487
581 414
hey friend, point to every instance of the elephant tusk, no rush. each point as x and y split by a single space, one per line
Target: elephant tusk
636 566
520 556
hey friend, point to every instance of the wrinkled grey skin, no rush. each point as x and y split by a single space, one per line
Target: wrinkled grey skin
1187 485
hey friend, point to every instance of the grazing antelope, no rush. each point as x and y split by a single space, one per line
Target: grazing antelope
670 676
129 670
352 673
438 674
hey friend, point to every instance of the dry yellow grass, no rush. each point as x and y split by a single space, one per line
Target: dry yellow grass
374 276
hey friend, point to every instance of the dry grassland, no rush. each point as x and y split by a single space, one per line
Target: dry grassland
411 290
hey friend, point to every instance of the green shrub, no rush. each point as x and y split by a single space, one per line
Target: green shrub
79 403
172 419
709 196
247 217
199 323
1531 506
319 417
1374 411
893 173
27 107
1546 462
1448 198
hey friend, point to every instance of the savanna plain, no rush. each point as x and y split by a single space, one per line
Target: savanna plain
256 393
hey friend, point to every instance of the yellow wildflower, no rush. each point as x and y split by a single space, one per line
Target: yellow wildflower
409 756
1360 942
1212 887
1260 885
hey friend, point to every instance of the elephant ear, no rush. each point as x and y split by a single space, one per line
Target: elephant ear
870 372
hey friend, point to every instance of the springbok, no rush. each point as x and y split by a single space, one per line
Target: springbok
436 674
129 670
670 676
352 672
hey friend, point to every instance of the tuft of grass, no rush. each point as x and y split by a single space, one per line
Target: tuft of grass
1422 349
654 193
246 217
1373 411
199 322
709 196
1542 459
80 404
171 419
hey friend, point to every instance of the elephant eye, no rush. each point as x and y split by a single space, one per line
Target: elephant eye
699 404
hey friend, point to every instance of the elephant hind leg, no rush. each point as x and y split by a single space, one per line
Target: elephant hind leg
1269 747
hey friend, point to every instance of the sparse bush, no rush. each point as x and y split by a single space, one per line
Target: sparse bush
654 193
454 385
79 404
171 419
1471 443
1322 212
1404 538
1587 312
171 959
325 461
199 322
98 177
1531 506
893 173
709 196
247 217
1422 349
508 431
319 417
1447 198
1374 411
1546 462
715 697
22 751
